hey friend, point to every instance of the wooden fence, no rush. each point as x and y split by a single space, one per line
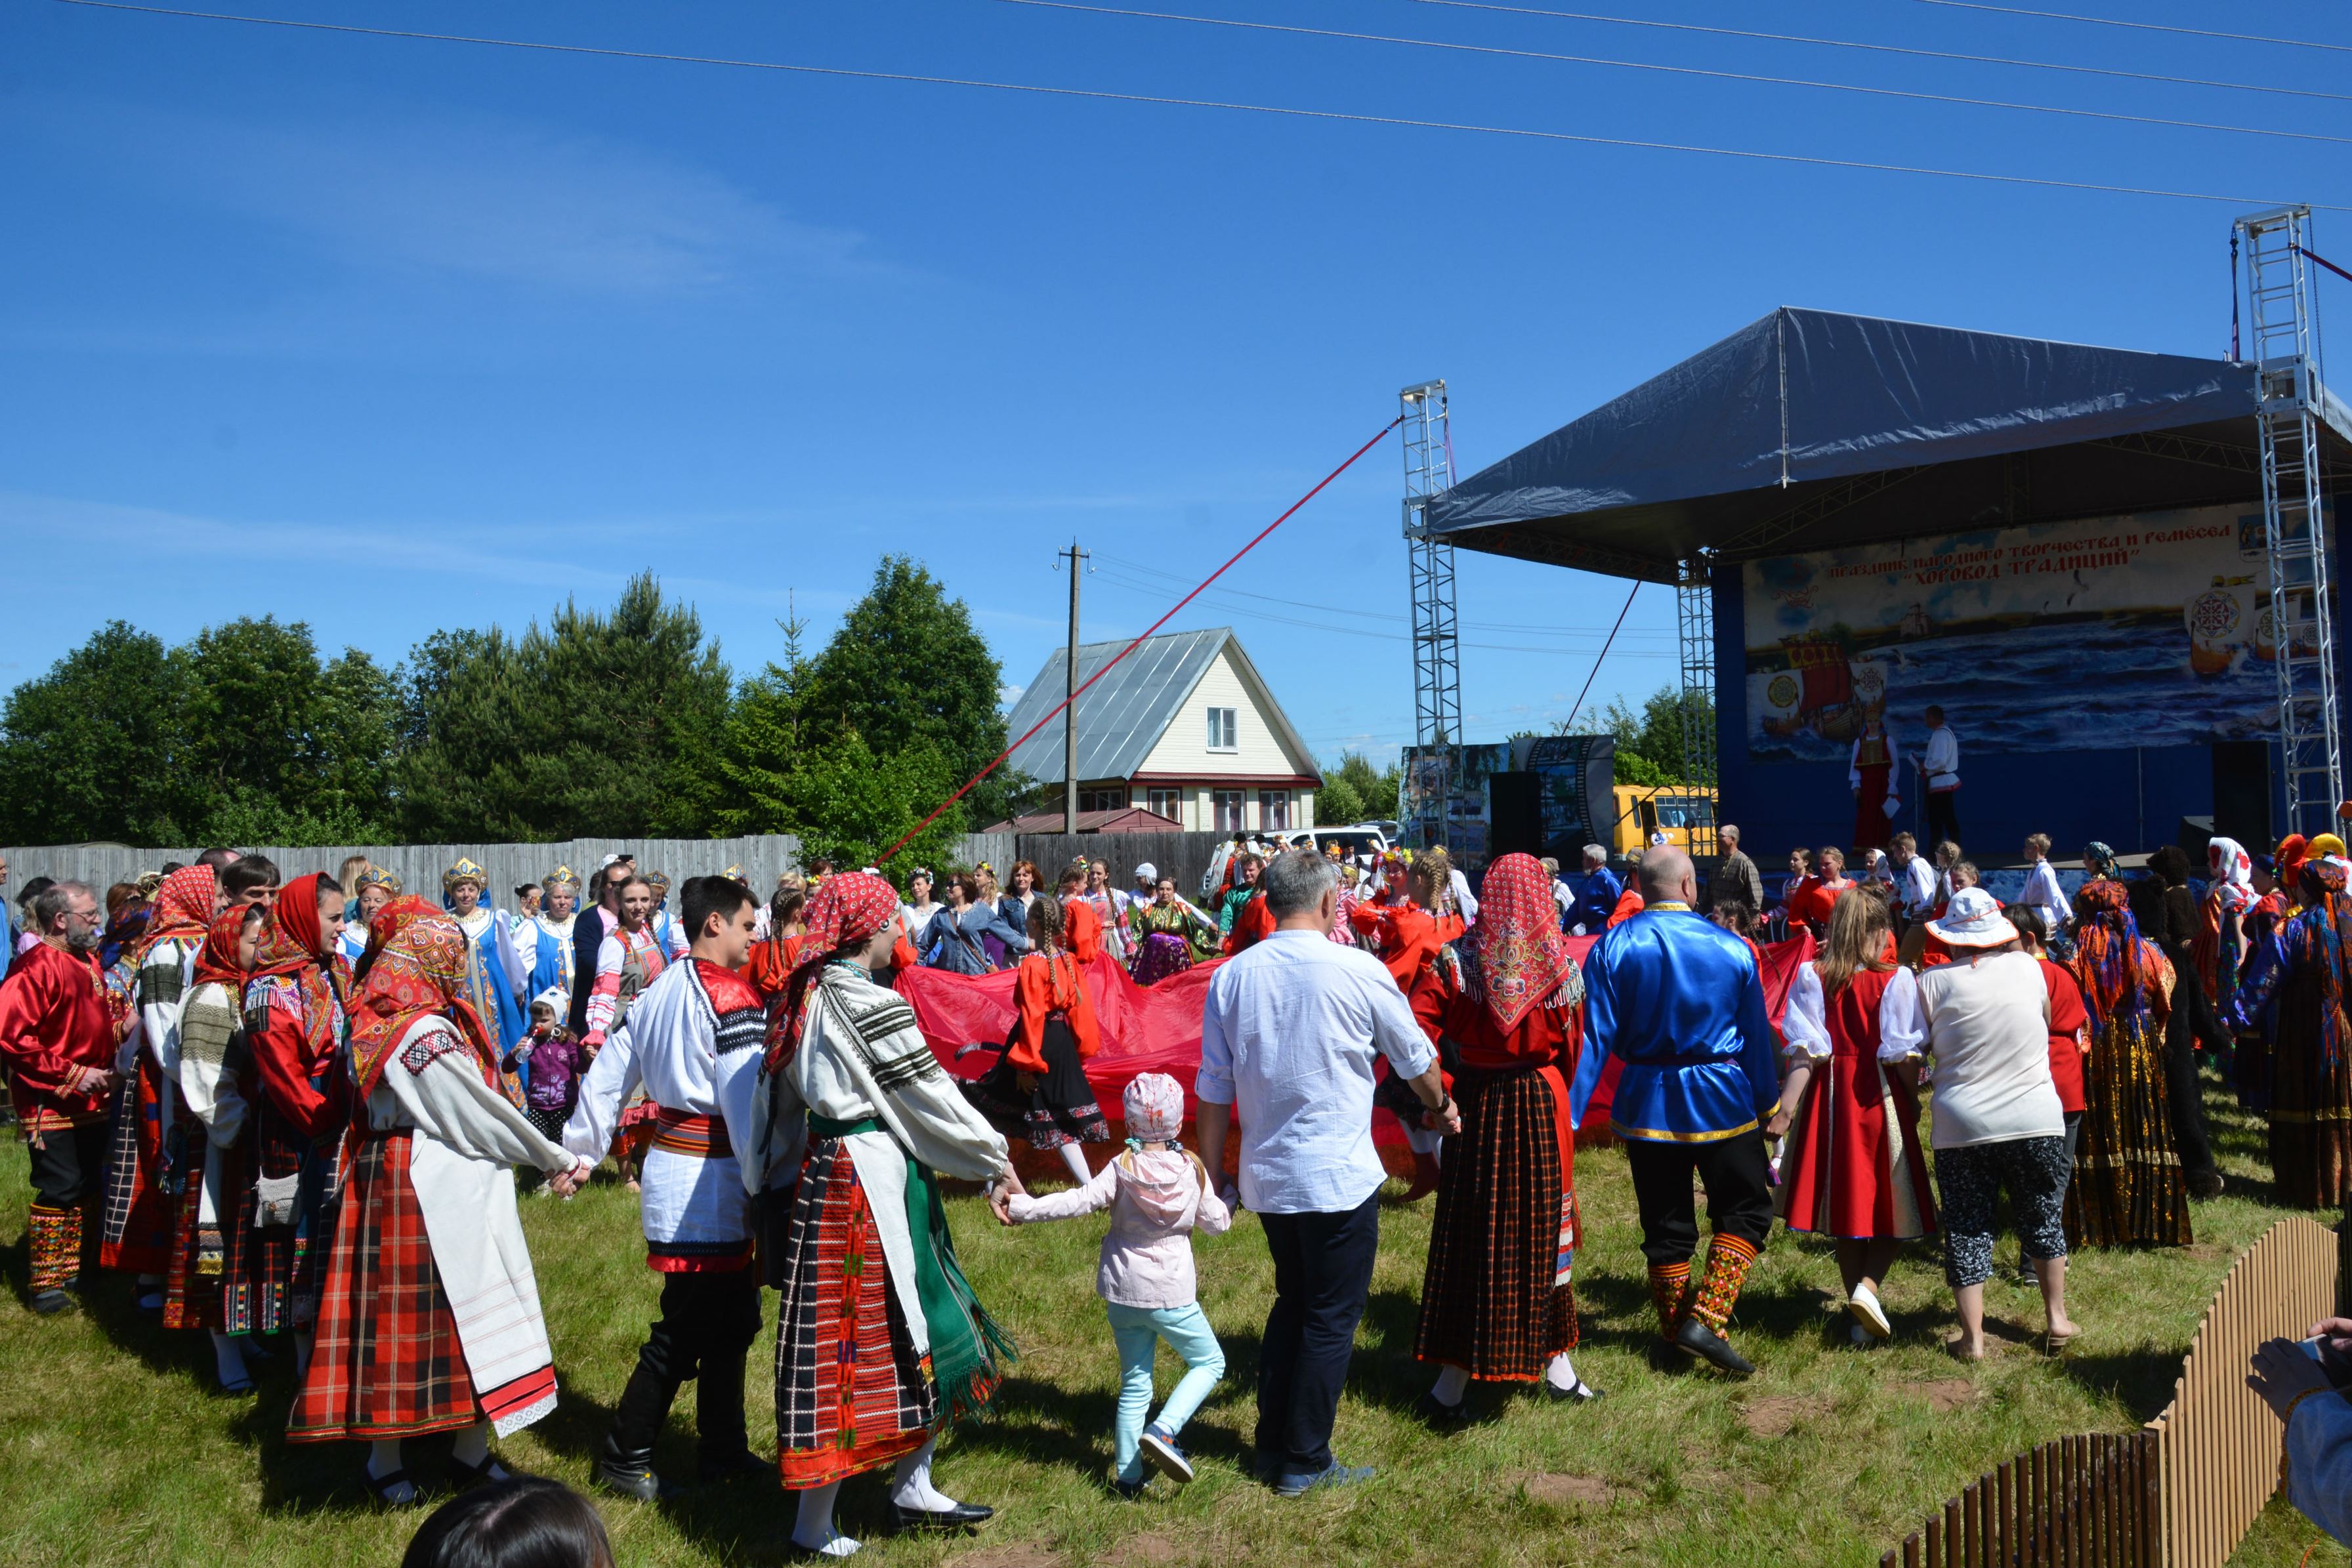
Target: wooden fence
1184 856
2182 1491
2220 1443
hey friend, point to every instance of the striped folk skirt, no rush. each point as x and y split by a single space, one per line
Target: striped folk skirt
387 1362
852 1395
234 1275
135 1231
2128 1188
1497 1300
2310 1104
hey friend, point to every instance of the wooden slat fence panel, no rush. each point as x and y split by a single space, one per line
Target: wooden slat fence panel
2181 1492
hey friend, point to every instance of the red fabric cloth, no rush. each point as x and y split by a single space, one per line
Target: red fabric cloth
419 967
1252 925
1837 1177
1814 899
1629 904
1408 937
217 961
1082 928
2068 1019
54 1021
770 967
848 909
1045 984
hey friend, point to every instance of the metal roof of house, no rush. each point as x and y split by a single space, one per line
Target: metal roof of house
1122 716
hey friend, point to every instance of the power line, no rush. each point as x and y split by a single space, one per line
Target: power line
1682 71
2143 27
1278 110
1886 48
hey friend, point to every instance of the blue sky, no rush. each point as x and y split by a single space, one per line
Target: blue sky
390 335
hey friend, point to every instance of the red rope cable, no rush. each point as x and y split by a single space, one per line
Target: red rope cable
2314 256
884 858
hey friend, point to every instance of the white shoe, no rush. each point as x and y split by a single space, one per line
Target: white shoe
1866 1312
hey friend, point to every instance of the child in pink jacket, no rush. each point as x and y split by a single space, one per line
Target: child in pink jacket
1158 1194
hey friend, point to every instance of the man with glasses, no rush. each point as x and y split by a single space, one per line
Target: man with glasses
58 1035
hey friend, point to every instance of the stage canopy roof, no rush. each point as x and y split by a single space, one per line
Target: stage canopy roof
1808 430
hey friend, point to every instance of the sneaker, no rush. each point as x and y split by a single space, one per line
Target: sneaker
1868 1314
1161 1452
1298 1483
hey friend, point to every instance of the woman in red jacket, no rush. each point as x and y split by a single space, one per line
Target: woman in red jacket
1038 1088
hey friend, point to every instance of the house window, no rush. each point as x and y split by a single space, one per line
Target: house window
1223 734
1169 803
1273 809
1111 799
1228 805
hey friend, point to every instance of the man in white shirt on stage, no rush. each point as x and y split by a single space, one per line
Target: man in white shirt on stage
1939 769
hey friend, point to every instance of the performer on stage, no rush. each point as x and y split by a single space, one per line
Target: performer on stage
1939 774
2219 949
58 1037
144 1177
697 1213
2301 974
1679 1001
880 1343
495 973
430 1318
1498 1302
1872 768
1853 1169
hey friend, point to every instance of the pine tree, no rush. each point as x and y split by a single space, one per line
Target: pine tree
93 749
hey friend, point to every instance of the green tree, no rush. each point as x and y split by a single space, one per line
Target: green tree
907 668
1649 746
1337 804
596 726
95 747
849 805
284 749
1375 790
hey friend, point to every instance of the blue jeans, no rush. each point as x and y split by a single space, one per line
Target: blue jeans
1137 1331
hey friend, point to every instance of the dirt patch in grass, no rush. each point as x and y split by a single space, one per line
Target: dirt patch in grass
1555 1491
1146 1551
1941 1394
1776 1414
1007 1554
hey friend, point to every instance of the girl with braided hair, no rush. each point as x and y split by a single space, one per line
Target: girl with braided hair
1038 1088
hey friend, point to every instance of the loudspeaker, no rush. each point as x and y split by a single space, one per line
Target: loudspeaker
2242 793
1514 814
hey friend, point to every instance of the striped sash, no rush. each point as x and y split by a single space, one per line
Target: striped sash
682 1132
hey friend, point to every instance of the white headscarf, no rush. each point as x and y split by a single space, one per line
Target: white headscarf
2233 873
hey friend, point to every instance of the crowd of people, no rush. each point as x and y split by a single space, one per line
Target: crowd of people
306 1106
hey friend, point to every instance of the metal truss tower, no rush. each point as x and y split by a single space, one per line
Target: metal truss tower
1436 657
1694 640
2284 351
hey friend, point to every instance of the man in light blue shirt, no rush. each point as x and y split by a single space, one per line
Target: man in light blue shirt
1289 1034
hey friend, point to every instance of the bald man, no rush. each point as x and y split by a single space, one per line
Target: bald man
1678 1000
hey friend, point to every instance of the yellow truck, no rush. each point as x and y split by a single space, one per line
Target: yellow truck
1673 809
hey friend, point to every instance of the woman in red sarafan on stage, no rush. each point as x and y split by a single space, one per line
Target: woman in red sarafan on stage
1853 1169
1498 1303
1871 771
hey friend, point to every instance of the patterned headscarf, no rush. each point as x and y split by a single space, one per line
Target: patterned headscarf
846 912
415 969
217 961
464 871
2232 872
2108 958
292 941
1522 957
2099 858
183 908
1154 1107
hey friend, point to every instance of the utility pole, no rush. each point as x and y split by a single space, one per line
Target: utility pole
1070 692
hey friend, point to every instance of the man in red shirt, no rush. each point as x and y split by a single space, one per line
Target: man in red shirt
58 1036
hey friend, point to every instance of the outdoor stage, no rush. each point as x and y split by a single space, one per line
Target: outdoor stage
2061 545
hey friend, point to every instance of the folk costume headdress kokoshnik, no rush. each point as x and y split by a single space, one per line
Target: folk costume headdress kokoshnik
1522 957
182 909
377 876
415 967
464 871
848 910
563 876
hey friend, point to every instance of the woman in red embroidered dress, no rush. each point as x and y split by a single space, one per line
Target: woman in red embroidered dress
1497 1300
1409 929
1853 1168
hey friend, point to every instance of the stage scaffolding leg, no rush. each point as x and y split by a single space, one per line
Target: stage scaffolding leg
2285 349
1436 658
1695 637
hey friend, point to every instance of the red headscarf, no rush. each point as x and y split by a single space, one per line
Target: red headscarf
1522 957
293 942
2289 858
217 959
182 909
2111 957
416 969
850 909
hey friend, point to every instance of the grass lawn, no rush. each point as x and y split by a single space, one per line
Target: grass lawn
114 1449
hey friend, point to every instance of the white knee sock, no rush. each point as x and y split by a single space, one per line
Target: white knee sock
228 1358
473 1444
383 1457
1452 1383
912 1486
814 1528
1560 1373
1076 1158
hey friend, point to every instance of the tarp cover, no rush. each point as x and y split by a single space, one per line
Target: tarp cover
1813 395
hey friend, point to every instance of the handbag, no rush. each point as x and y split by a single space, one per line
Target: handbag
276 1200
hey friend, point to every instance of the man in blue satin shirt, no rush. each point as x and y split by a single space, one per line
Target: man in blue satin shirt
1678 1001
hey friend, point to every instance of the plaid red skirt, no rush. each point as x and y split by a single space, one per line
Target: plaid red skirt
851 1394
386 1362
135 1233
1495 1299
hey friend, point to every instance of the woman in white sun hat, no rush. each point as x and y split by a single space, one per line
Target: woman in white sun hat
1997 1123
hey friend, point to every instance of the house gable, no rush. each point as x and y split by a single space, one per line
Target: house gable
1264 744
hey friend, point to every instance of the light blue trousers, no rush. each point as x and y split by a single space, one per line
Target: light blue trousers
1137 1331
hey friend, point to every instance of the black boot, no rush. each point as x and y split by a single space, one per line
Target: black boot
626 1464
725 1452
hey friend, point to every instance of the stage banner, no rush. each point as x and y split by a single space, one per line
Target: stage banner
2144 629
